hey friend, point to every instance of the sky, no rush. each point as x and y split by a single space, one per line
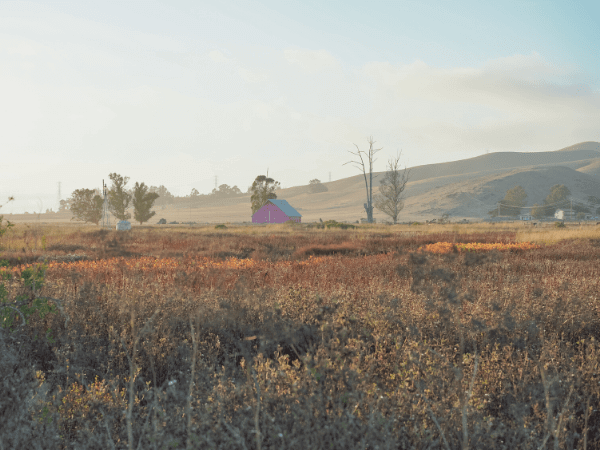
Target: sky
186 93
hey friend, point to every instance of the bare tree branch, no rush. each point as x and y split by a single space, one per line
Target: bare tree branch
392 189
368 183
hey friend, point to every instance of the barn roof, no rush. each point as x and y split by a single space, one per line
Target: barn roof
285 207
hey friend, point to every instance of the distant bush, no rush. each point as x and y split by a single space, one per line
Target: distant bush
335 224
559 225
331 224
220 227
316 187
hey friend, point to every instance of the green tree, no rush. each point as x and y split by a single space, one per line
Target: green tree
165 197
538 211
580 208
118 197
263 190
65 205
392 188
86 205
368 183
512 203
315 186
8 226
226 191
143 202
593 201
557 199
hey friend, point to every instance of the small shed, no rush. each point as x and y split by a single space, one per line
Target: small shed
525 217
276 211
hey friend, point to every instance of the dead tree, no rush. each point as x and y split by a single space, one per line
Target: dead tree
368 183
392 188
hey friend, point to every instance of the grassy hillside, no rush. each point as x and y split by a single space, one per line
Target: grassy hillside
465 189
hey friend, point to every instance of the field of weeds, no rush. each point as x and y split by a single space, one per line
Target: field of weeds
379 337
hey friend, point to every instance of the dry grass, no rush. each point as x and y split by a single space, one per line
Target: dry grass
552 235
274 337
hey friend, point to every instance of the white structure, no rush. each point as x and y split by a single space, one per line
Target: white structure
525 217
123 225
564 215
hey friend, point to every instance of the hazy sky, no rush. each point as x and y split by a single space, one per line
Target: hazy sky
178 92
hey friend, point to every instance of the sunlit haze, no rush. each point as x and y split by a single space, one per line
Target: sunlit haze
177 93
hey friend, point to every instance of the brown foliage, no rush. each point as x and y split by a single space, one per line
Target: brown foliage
315 340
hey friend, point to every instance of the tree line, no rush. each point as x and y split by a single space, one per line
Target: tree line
166 198
87 204
558 198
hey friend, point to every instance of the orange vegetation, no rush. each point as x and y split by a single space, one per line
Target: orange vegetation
449 247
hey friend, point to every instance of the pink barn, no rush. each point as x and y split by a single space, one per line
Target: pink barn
276 211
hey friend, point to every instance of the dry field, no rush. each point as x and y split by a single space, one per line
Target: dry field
295 337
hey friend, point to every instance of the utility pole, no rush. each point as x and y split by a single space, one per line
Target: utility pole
59 196
105 219
571 207
330 177
215 182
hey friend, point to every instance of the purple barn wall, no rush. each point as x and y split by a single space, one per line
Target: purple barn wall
270 213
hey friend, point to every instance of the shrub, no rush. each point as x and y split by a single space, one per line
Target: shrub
220 227
335 224
24 305
559 225
365 344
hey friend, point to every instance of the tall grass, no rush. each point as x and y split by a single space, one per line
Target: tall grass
328 339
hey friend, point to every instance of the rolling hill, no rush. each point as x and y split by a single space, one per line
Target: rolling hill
466 188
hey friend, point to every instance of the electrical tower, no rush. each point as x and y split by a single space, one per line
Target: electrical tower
105 218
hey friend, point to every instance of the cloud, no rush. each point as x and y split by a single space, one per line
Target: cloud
311 61
251 76
218 57
521 100
21 47
118 100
